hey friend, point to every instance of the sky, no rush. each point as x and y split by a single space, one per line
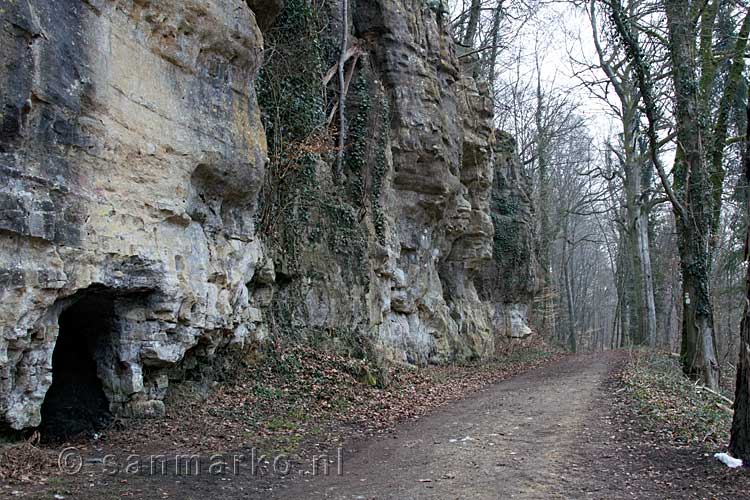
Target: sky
559 33
567 32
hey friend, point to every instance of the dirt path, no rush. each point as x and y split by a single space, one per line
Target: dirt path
513 440
563 430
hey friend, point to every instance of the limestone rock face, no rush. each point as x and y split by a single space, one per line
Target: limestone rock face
441 144
131 155
511 280
138 200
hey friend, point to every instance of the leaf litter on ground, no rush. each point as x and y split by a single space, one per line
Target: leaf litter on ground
294 399
672 405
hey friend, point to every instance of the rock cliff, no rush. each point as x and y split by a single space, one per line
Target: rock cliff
158 217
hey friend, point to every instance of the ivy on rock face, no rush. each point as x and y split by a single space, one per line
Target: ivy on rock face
379 169
314 223
291 97
508 248
356 154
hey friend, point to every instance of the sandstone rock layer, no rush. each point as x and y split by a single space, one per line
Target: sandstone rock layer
136 183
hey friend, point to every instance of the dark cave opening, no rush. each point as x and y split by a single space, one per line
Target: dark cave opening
75 402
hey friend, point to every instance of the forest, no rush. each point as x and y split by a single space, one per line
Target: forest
632 123
374 249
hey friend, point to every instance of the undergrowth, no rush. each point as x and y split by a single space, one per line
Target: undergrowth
672 405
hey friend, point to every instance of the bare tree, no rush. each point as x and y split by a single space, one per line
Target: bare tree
690 31
342 86
472 24
635 172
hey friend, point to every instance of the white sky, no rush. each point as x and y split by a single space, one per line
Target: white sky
559 33
566 35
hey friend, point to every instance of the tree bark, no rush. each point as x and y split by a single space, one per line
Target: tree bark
569 300
647 277
693 183
471 27
739 442
492 60
342 88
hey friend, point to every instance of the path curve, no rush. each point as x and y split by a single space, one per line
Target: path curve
520 438
564 430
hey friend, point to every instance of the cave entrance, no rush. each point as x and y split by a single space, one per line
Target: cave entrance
75 402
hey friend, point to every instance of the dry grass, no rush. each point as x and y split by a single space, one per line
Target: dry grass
672 405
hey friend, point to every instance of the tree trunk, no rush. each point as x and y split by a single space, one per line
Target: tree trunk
342 90
694 187
635 284
636 226
572 320
492 60
739 443
623 284
647 278
698 352
471 27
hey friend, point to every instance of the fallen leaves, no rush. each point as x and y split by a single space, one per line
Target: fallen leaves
672 406
22 461
293 399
